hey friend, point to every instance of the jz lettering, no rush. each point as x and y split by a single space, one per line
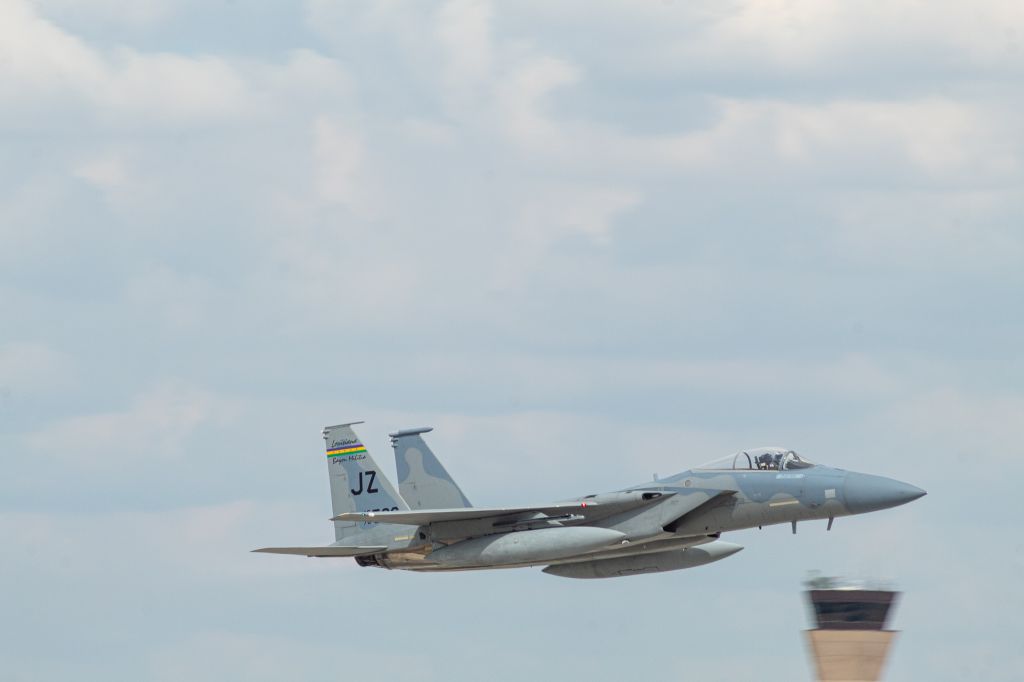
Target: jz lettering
372 476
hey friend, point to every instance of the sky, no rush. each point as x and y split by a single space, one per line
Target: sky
585 241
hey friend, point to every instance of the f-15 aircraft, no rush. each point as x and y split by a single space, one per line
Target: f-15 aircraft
662 525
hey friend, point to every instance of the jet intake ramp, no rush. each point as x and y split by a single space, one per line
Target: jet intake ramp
700 504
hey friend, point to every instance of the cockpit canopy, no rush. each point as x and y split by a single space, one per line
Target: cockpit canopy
761 459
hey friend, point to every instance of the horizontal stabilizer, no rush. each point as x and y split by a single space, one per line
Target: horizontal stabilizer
428 516
328 551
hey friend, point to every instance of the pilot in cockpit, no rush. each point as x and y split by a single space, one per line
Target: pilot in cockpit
790 460
769 461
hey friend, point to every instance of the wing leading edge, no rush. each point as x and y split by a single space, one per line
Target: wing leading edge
425 517
328 551
585 509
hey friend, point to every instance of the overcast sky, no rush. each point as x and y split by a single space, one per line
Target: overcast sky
586 241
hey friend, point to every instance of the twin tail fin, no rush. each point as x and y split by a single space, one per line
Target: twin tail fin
422 480
357 483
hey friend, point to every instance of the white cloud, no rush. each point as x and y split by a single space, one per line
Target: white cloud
45 69
811 45
42 65
220 655
214 656
169 88
105 173
941 230
975 432
428 133
933 140
138 14
154 427
552 284
491 81
548 215
176 300
339 155
463 30
807 35
305 83
520 100
202 544
128 184
845 377
937 137
39 56
589 211
851 376
34 368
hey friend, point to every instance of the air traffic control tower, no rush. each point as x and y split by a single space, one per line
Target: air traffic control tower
850 641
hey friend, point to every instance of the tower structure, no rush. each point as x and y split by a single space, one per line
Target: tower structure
850 641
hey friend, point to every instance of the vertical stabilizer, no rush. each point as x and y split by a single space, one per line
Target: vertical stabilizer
422 479
357 483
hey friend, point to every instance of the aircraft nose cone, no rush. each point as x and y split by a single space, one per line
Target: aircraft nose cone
864 493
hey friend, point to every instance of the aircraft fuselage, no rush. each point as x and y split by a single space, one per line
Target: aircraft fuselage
693 509
660 525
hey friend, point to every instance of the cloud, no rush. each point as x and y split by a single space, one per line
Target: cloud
34 368
45 69
587 241
812 45
154 427
931 141
339 155
493 81
218 655
520 99
954 232
481 81
975 432
805 35
44 65
135 15
853 376
463 29
213 656
176 301
208 545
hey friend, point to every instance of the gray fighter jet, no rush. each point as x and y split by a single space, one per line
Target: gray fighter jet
662 525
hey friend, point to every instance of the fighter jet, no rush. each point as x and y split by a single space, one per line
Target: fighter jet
662 525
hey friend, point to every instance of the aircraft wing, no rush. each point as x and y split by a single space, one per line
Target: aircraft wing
328 551
428 516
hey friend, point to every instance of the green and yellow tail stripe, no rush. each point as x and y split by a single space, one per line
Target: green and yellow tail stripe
347 450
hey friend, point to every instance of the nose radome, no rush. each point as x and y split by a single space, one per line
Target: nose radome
864 493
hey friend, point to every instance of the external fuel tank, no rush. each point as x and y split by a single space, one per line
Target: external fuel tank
672 560
527 546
